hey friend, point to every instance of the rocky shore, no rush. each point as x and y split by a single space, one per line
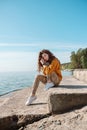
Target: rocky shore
14 115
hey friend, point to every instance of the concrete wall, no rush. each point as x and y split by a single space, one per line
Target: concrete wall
80 74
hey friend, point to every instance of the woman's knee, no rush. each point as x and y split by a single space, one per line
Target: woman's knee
41 78
37 76
53 74
54 78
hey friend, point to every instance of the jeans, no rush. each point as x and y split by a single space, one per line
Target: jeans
53 77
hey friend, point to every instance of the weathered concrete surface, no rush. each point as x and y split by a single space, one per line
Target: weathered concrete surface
73 120
15 102
80 74
15 122
60 103
13 105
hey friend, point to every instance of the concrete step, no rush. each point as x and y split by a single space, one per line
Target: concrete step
64 102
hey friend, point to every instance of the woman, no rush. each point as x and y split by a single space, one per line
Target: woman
50 66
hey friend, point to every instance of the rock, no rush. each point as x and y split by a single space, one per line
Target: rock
22 128
60 103
15 122
57 122
8 123
73 120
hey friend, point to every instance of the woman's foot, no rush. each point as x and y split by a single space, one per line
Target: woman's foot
49 85
30 100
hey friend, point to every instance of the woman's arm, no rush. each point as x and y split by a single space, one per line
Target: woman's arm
49 69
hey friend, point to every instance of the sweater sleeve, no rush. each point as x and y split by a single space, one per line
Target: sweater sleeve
49 69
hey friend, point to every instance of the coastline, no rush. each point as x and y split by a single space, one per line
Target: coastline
13 106
13 81
11 92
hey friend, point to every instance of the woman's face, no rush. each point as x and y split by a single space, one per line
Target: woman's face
45 56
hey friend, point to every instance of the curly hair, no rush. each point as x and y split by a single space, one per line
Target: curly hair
51 57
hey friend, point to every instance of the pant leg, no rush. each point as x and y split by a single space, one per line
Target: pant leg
38 79
54 78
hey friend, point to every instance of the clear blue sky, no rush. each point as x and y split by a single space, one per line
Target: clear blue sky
27 26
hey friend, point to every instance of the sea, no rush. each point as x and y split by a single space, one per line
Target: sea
13 81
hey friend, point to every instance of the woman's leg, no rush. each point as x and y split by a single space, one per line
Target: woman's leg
32 97
38 79
54 78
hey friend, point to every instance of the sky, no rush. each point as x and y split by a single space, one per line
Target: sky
28 26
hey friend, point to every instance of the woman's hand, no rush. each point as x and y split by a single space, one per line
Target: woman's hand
42 61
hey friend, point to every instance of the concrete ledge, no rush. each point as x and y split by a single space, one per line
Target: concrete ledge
80 74
60 103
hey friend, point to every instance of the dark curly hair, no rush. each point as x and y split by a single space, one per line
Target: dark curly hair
51 57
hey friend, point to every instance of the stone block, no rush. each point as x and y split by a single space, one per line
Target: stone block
60 103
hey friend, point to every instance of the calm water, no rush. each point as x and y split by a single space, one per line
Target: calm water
11 81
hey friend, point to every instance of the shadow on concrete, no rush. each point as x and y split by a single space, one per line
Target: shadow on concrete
40 103
71 86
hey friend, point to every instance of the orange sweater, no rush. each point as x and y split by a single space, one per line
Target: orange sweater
53 67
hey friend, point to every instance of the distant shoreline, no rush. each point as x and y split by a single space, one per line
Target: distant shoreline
10 92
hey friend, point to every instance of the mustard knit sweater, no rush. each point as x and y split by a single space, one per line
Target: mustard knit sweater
53 67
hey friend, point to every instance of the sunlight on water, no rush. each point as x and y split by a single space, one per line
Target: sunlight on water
10 81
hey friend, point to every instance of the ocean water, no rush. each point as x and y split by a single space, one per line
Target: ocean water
11 81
